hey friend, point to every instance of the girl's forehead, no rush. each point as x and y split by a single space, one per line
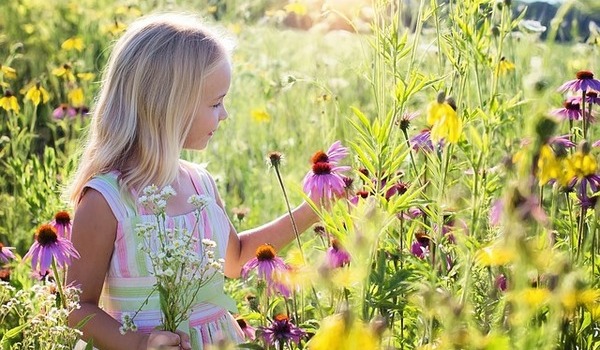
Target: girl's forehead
218 81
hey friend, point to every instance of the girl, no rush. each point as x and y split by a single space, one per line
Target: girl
162 92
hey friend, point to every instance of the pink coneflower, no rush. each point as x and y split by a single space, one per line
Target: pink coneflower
336 255
420 247
62 223
47 246
268 266
248 330
591 97
501 282
64 110
325 181
562 140
282 331
422 141
585 81
337 152
404 122
571 109
5 254
596 144
496 211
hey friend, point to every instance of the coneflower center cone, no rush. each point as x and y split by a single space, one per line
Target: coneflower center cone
265 252
321 168
46 235
585 74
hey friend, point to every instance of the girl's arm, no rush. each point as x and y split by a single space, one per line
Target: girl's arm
93 235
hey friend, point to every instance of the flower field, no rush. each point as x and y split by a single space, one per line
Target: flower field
467 164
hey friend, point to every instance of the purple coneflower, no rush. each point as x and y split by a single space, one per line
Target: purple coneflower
248 330
325 181
64 110
420 247
268 265
404 122
591 97
5 254
337 256
336 152
501 282
562 140
47 246
571 109
585 81
62 223
422 141
282 331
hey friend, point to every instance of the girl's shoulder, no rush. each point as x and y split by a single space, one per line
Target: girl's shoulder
200 174
107 184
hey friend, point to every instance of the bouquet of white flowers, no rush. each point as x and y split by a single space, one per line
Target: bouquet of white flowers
179 265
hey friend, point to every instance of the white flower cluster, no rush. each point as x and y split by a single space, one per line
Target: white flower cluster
42 318
155 200
180 263
127 324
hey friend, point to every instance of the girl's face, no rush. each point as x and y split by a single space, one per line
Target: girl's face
211 110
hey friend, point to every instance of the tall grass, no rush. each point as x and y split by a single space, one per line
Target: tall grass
297 91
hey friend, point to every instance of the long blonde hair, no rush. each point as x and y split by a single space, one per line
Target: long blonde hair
151 87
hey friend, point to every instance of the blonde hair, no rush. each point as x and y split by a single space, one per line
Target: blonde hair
151 87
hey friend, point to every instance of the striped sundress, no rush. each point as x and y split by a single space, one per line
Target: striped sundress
128 281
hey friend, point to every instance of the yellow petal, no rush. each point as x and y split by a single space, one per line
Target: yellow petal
76 97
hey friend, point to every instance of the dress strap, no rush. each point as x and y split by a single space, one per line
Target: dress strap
108 185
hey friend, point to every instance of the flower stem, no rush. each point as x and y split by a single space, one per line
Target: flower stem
289 209
59 286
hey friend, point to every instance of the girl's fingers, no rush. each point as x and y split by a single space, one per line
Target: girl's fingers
185 340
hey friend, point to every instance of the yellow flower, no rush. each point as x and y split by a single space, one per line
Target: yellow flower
445 123
505 66
535 297
495 255
76 97
28 28
580 165
115 28
335 333
260 115
548 166
64 71
297 8
37 93
9 73
74 43
86 76
9 102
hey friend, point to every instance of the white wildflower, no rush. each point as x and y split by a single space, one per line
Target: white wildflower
199 201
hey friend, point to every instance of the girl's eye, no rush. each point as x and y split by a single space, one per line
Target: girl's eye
217 105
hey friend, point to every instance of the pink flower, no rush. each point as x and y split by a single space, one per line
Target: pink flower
47 246
62 223
5 254
571 110
282 331
337 256
268 266
64 110
249 331
325 181
336 152
420 247
585 81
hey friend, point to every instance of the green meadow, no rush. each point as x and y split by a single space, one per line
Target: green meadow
481 234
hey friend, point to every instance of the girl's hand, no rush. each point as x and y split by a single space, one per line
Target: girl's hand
163 340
